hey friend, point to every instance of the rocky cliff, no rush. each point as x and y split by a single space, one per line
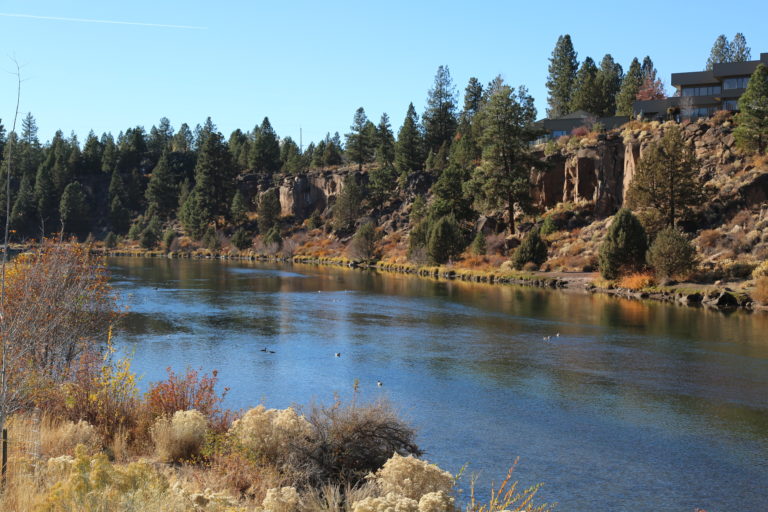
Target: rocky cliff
599 169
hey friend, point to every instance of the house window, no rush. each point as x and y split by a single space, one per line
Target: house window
730 105
701 91
559 133
739 82
693 113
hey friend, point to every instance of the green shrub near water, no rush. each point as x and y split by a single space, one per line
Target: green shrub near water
672 254
624 247
532 250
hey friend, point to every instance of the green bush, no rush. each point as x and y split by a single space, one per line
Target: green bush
210 240
168 237
314 221
110 242
445 240
624 247
241 239
151 234
363 244
672 254
273 237
549 226
532 250
479 245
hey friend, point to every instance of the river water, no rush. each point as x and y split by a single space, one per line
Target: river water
634 406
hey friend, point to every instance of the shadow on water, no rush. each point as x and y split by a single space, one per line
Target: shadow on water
634 403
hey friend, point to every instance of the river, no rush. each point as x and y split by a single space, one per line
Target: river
634 406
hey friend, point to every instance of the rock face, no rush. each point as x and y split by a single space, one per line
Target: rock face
601 171
316 190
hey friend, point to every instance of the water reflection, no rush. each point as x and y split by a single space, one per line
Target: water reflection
633 403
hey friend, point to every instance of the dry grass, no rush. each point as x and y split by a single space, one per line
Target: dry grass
760 293
637 281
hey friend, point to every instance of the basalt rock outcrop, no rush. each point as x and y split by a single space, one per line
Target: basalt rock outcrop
600 170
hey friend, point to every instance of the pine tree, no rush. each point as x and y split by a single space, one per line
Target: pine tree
629 89
160 138
265 153
73 210
347 207
119 217
358 146
740 52
108 154
409 152
751 132
721 52
194 219
624 247
46 199
667 178
385 142
448 197
291 159
214 177
440 116
268 210
183 141
609 79
473 99
562 75
23 214
507 129
586 91
92 154
161 193
238 210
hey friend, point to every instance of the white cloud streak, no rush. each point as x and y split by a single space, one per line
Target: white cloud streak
108 22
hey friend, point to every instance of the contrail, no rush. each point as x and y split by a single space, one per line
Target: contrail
109 22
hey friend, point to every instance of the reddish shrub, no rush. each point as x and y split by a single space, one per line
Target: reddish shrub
188 391
580 131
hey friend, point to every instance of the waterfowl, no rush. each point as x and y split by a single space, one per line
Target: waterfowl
379 383
264 349
338 354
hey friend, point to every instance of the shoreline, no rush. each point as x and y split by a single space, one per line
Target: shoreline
723 297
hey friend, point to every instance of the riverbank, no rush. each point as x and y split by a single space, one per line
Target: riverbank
729 295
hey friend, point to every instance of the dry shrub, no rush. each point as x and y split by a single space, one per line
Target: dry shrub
708 238
721 116
508 498
234 471
761 270
62 437
181 437
760 294
99 390
284 499
412 477
57 306
188 391
93 484
390 502
637 281
351 441
271 435
759 161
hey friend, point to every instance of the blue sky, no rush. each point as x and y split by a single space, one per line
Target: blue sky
311 64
